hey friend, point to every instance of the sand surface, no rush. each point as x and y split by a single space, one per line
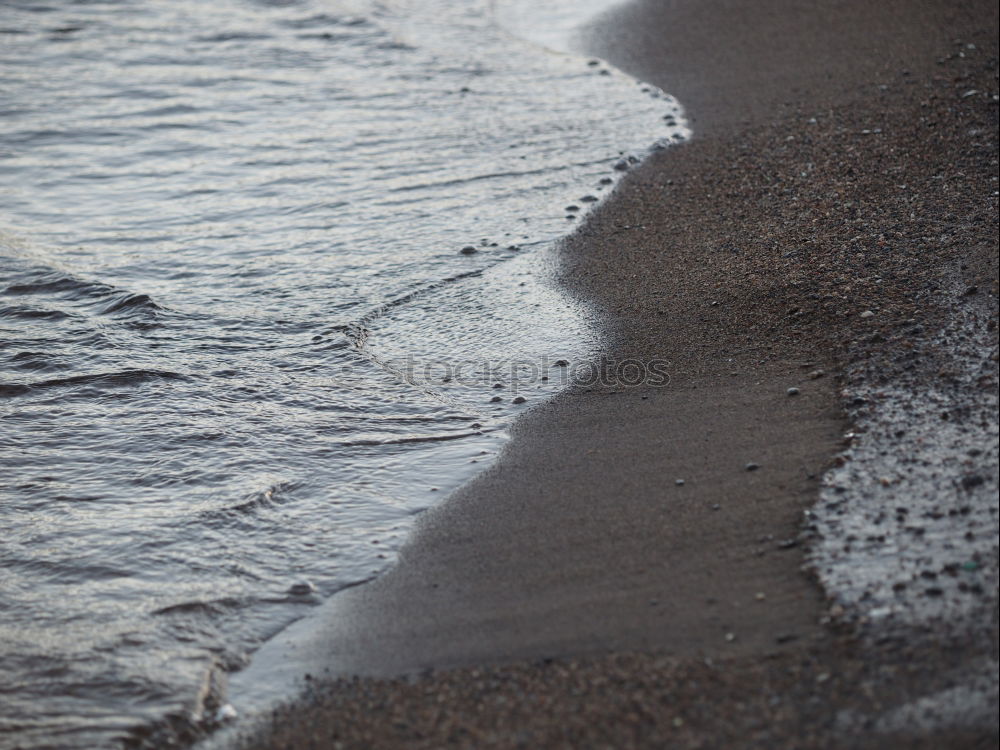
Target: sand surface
575 594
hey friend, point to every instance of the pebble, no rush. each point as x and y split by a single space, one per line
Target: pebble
816 374
495 400
468 250
562 363
792 391
867 314
752 466
302 588
679 482
971 480
520 400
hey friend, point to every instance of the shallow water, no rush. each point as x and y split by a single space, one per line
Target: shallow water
240 344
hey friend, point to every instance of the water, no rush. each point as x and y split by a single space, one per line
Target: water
240 344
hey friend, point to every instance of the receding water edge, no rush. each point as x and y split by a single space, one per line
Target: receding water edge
205 374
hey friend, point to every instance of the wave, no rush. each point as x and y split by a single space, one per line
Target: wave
101 380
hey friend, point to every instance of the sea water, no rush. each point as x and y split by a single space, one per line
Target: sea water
265 268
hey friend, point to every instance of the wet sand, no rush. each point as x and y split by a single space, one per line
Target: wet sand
575 594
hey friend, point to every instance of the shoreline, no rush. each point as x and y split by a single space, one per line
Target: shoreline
576 559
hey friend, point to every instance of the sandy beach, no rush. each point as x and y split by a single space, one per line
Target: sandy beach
638 568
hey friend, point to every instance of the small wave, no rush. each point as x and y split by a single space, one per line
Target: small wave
414 438
9 390
130 302
32 313
234 36
357 331
38 361
324 19
51 282
69 571
273 495
135 308
211 607
99 380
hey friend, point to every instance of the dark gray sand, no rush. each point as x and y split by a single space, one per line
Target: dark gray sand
575 595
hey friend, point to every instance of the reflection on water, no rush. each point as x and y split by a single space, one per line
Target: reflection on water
221 221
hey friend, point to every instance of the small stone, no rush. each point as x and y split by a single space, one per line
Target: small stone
679 482
302 588
562 363
793 391
759 596
867 314
496 400
520 400
498 385
816 374
752 466
971 480
468 250
730 637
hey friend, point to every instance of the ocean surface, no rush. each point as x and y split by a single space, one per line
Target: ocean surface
265 267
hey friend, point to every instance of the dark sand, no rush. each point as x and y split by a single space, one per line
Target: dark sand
574 595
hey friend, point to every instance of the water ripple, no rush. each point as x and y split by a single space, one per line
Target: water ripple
240 241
